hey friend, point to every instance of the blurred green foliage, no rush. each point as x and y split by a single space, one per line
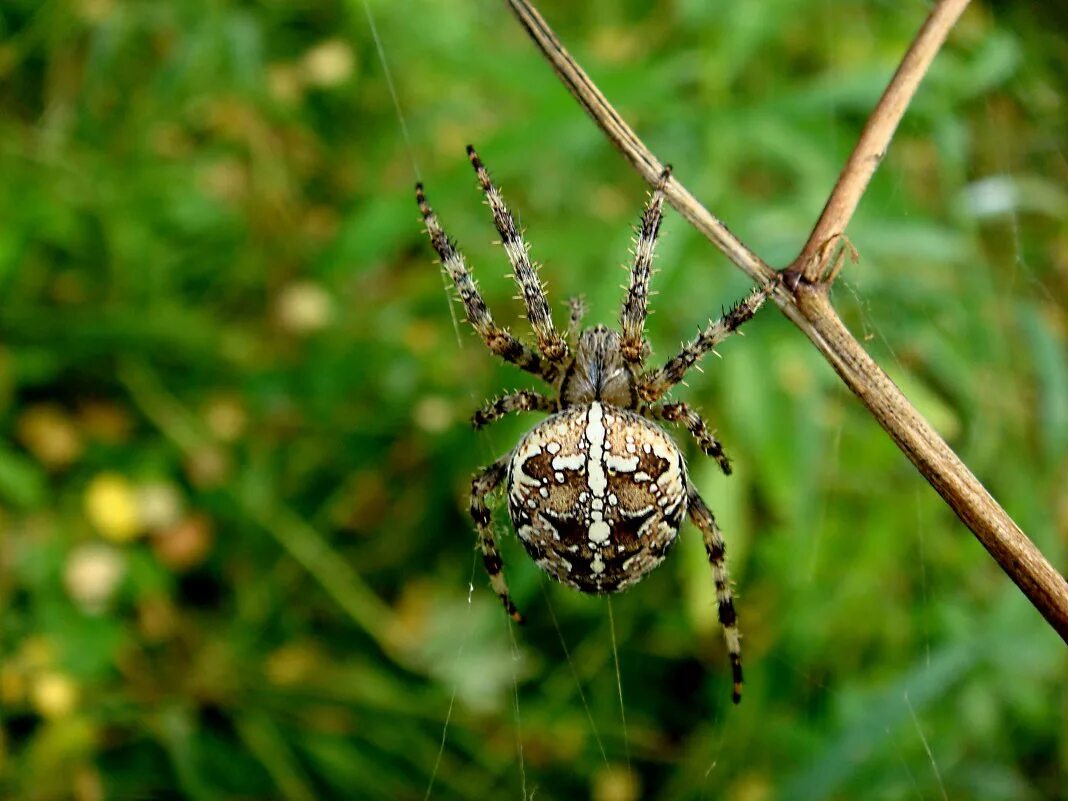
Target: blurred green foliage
235 559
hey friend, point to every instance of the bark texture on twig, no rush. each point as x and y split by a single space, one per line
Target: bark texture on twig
802 296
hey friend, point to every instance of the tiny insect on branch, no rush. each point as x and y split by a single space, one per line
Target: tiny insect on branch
802 296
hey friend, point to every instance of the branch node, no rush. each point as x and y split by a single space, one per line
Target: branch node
792 278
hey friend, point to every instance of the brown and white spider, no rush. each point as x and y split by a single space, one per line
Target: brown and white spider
596 491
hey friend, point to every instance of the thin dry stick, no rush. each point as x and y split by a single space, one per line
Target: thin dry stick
805 302
876 136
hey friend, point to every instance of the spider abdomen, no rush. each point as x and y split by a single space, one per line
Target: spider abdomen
597 495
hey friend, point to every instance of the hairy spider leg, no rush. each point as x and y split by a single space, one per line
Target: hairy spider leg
683 414
485 482
653 385
550 343
716 550
497 339
597 377
522 401
635 307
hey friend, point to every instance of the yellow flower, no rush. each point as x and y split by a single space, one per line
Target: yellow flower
54 695
111 506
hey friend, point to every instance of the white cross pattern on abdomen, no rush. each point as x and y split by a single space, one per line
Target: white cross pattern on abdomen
597 495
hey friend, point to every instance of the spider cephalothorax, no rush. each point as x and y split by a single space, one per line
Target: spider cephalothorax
597 491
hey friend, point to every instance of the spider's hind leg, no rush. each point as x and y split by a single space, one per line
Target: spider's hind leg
716 550
682 413
521 401
485 482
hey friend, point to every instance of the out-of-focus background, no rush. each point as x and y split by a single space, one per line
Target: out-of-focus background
235 561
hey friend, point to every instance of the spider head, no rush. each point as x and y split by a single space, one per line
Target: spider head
598 372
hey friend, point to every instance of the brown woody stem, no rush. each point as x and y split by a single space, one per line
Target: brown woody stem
875 138
804 300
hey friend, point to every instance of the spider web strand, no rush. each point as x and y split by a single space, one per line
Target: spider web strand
574 673
392 89
619 682
455 683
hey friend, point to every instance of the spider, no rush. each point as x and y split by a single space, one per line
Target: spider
597 491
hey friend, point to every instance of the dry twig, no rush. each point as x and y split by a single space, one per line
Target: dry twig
876 136
802 297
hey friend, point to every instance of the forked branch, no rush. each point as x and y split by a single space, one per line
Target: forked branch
802 297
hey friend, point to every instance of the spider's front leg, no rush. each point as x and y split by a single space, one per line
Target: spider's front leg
521 401
635 307
653 385
682 413
497 339
550 343
716 550
485 482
